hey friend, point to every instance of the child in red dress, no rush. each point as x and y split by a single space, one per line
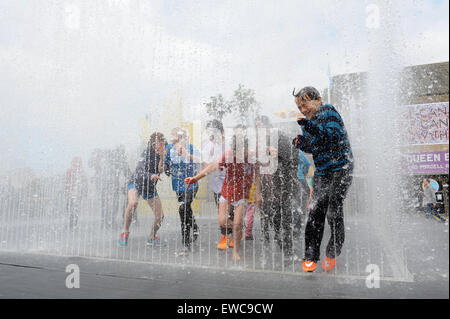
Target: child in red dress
240 175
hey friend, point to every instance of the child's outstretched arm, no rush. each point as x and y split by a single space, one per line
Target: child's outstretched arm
208 169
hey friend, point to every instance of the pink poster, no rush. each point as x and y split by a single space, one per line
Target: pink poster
425 124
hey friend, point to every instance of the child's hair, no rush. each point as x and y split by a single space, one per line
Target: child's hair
176 133
307 92
155 138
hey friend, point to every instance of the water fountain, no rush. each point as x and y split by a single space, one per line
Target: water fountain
33 215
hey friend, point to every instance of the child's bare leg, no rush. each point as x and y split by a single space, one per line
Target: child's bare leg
237 229
155 204
224 220
131 207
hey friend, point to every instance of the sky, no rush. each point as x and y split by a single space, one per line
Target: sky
81 74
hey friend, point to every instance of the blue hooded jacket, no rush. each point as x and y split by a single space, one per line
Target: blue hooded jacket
325 137
180 168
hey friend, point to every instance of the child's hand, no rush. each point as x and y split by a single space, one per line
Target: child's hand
296 141
155 177
161 149
189 181
302 121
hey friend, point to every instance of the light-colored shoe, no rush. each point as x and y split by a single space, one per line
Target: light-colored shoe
156 242
184 252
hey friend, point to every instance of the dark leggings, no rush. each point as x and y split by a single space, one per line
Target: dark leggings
187 217
278 213
327 202
73 207
278 210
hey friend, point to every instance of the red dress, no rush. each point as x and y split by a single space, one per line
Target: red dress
238 179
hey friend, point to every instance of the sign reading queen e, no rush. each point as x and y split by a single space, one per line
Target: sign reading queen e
426 163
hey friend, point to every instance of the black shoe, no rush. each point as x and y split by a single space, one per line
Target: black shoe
280 244
248 237
195 232
288 253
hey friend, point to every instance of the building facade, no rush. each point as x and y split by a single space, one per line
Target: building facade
423 107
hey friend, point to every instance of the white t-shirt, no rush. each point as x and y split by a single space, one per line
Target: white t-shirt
212 152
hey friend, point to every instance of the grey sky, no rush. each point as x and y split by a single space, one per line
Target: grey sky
75 75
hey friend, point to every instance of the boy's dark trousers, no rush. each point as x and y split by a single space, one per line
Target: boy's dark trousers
277 211
73 207
329 192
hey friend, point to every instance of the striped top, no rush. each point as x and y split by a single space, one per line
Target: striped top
325 137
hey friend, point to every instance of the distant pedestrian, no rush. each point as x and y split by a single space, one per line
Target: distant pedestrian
75 190
429 200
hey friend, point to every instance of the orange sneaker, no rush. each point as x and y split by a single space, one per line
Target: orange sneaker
309 266
328 263
231 242
222 243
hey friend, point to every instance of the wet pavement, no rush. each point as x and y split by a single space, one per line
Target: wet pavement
412 260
